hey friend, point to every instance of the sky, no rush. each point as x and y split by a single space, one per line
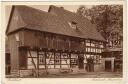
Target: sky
72 8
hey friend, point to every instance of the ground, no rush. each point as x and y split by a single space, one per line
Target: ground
81 75
86 75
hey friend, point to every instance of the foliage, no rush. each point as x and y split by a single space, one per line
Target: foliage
108 19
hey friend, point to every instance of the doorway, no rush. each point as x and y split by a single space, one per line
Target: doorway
81 62
108 66
8 64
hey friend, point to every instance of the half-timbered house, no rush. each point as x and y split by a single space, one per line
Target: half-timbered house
54 41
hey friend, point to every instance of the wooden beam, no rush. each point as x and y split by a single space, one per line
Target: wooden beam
32 59
60 59
54 59
70 59
37 63
45 54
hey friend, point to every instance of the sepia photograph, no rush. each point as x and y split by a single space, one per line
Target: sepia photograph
64 41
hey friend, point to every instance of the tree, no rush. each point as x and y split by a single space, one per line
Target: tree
108 19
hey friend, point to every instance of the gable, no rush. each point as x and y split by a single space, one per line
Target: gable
15 21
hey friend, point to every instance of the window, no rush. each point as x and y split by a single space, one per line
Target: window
86 49
89 49
65 59
73 25
95 50
98 59
92 43
92 49
74 56
57 58
87 44
42 58
101 46
73 61
49 58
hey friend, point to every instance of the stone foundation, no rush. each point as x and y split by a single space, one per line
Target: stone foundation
31 73
26 73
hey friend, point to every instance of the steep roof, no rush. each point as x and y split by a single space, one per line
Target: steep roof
55 21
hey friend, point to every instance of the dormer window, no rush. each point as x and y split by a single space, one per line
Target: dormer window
73 25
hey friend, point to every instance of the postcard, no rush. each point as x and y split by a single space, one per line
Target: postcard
64 42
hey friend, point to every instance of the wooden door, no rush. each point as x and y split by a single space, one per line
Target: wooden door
108 66
81 62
